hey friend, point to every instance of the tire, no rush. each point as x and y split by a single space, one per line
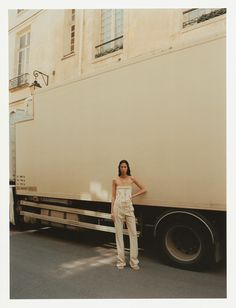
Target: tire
185 240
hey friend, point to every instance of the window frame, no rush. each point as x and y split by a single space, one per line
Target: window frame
112 43
25 50
19 11
69 33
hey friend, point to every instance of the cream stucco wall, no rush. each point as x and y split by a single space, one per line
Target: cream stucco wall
147 32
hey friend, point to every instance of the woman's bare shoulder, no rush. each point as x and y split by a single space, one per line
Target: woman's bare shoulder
132 178
115 180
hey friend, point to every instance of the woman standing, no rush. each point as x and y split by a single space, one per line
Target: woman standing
122 210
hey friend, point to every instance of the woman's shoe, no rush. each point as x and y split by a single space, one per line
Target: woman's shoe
136 267
120 267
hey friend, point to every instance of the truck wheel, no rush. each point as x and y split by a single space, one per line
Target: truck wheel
185 240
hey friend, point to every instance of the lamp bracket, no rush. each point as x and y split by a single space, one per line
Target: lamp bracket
44 76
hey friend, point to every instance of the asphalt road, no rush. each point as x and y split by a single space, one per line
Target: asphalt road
62 264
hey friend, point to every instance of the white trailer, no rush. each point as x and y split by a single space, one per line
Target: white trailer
165 114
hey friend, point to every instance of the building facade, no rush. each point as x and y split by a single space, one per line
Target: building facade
69 45
74 44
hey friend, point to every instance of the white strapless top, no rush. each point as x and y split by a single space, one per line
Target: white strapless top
123 193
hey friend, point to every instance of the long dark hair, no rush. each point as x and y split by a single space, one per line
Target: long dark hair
128 168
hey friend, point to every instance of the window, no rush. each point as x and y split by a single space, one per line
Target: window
111 32
195 16
23 53
69 33
72 31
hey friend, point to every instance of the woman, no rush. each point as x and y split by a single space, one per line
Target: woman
122 211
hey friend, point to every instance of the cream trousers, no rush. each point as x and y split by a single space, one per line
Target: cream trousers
124 212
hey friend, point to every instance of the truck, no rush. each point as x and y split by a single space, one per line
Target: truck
165 113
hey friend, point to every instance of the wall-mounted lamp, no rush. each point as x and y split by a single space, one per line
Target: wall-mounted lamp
36 84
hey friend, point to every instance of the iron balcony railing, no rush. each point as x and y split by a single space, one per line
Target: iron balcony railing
109 46
19 81
202 17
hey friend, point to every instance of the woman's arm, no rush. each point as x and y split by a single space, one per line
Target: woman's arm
140 186
113 198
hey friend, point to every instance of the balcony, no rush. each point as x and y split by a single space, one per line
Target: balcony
195 16
109 47
19 81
